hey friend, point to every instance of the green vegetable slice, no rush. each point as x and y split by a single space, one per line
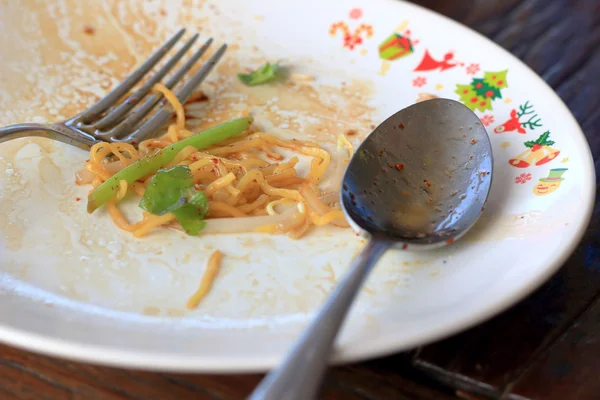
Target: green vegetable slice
264 74
172 190
152 163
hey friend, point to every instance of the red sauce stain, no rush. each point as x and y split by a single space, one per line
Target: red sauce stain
89 30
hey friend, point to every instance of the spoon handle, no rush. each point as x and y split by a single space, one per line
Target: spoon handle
300 374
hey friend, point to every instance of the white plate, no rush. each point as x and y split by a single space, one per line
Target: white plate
74 286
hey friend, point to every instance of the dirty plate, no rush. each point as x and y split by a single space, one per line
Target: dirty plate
74 286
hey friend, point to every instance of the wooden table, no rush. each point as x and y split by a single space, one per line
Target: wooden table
547 347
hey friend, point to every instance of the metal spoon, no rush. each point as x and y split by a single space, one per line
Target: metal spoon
419 181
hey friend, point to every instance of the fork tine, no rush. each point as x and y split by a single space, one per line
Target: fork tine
161 117
118 92
139 113
115 115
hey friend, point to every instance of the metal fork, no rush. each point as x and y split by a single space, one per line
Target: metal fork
110 120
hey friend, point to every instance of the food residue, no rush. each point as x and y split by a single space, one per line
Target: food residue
89 30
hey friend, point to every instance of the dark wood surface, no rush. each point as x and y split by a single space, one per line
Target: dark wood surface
546 347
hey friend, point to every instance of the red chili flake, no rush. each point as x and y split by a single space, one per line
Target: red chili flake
401 126
473 141
77 198
215 161
351 132
470 157
352 196
372 127
450 241
483 173
89 30
430 201
404 193
390 165
399 167
133 142
436 150
426 183
404 246
464 135
383 170
482 208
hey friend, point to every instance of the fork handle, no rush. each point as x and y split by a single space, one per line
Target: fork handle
55 132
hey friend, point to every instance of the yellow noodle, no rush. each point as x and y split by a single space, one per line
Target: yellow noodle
207 280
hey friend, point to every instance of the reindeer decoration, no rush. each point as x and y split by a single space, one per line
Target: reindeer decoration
351 39
515 124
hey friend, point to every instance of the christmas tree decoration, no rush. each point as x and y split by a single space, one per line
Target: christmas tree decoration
538 152
481 92
515 124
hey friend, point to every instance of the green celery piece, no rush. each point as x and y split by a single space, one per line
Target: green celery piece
168 190
189 219
152 163
172 190
264 74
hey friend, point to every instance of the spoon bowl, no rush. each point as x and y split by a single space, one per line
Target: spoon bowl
419 180
422 177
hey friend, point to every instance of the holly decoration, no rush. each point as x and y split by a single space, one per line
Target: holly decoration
540 142
480 93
